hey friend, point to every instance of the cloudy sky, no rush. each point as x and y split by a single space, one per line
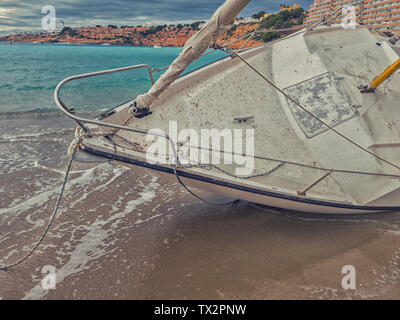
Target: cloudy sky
26 15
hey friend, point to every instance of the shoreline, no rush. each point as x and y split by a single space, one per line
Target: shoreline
87 43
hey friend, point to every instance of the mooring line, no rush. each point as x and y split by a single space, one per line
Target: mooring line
45 232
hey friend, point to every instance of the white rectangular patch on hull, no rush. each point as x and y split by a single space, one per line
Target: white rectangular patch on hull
325 97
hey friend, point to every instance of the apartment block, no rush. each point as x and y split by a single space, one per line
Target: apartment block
380 14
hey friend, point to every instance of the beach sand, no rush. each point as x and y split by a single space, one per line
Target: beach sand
128 234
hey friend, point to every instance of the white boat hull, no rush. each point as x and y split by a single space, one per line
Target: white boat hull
321 172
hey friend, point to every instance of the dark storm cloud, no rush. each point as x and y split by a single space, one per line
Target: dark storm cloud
18 15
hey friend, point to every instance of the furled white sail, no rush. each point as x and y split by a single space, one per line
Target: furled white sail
222 20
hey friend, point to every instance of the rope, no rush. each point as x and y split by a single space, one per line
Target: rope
300 164
45 232
248 39
174 167
309 112
210 166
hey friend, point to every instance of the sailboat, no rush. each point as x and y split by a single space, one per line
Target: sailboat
309 122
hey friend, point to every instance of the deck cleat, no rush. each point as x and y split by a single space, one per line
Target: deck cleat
139 112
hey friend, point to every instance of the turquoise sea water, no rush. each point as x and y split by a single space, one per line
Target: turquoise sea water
29 74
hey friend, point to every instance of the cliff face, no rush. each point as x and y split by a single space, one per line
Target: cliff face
240 30
172 36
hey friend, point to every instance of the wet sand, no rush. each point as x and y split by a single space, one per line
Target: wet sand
128 234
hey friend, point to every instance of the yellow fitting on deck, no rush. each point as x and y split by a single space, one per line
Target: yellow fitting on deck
385 74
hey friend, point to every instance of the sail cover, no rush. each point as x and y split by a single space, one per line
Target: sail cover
222 20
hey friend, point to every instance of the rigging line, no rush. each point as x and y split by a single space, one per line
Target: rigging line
213 50
309 112
211 166
332 13
334 16
248 39
224 45
207 53
174 167
294 163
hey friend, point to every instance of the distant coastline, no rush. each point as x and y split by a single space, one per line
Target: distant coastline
270 27
165 36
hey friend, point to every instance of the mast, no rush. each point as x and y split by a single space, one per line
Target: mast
221 20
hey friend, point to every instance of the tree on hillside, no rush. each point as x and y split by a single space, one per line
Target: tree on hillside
284 19
67 31
258 15
232 30
195 25
269 36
